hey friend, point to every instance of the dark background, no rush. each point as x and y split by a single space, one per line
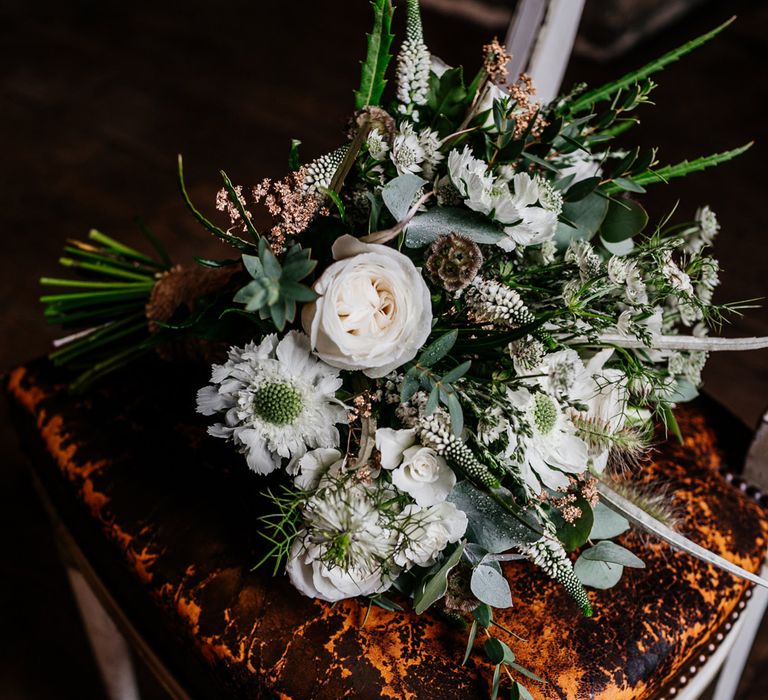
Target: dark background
97 100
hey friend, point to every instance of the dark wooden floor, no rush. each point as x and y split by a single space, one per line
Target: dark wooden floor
97 98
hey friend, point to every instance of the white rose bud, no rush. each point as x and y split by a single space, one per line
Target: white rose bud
392 443
424 475
374 311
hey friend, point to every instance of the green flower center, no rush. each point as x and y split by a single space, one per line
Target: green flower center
544 413
277 403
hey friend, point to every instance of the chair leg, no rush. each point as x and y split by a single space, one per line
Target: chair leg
110 649
730 675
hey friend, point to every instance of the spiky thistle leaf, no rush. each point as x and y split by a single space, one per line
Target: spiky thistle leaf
374 68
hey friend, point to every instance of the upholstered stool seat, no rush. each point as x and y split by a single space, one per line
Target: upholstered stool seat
164 523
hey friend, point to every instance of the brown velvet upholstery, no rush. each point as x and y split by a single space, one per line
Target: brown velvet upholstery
168 519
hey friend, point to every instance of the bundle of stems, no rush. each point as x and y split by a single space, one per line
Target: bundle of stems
104 306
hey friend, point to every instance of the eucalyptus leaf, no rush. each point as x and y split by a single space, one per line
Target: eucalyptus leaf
439 349
498 652
437 585
624 219
613 553
490 587
621 248
574 534
399 194
519 692
470 641
587 216
483 614
492 527
607 523
440 221
597 574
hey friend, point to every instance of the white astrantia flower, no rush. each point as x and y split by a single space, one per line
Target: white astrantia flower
678 279
346 547
703 234
617 268
407 150
430 143
583 255
527 223
277 400
425 532
549 450
377 144
549 197
424 475
635 291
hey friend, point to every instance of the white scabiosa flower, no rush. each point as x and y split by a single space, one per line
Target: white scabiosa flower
425 532
550 448
277 400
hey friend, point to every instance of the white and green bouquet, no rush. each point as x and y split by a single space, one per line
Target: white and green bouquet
453 339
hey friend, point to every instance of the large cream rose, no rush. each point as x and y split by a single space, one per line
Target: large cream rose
373 312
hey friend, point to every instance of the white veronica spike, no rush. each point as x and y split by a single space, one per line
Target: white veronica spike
637 516
686 342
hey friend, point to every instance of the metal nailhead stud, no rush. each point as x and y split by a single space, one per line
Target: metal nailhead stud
683 680
711 647
692 670
719 637
728 626
703 658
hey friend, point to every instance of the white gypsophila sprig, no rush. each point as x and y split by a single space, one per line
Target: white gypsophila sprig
277 400
413 65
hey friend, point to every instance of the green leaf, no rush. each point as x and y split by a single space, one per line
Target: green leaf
278 314
439 349
385 603
432 401
526 673
268 261
597 574
399 194
686 167
470 641
519 692
498 652
297 292
624 219
613 553
605 92
492 527
409 387
456 372
334 197
490 587
437 585
253 265
440 221
207 262
574 535
607 523
587 216
628 185
483 614
294 162
447 97
455 412
374 68
496 682
581 189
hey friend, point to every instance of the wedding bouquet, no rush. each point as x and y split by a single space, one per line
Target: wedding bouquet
452 343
